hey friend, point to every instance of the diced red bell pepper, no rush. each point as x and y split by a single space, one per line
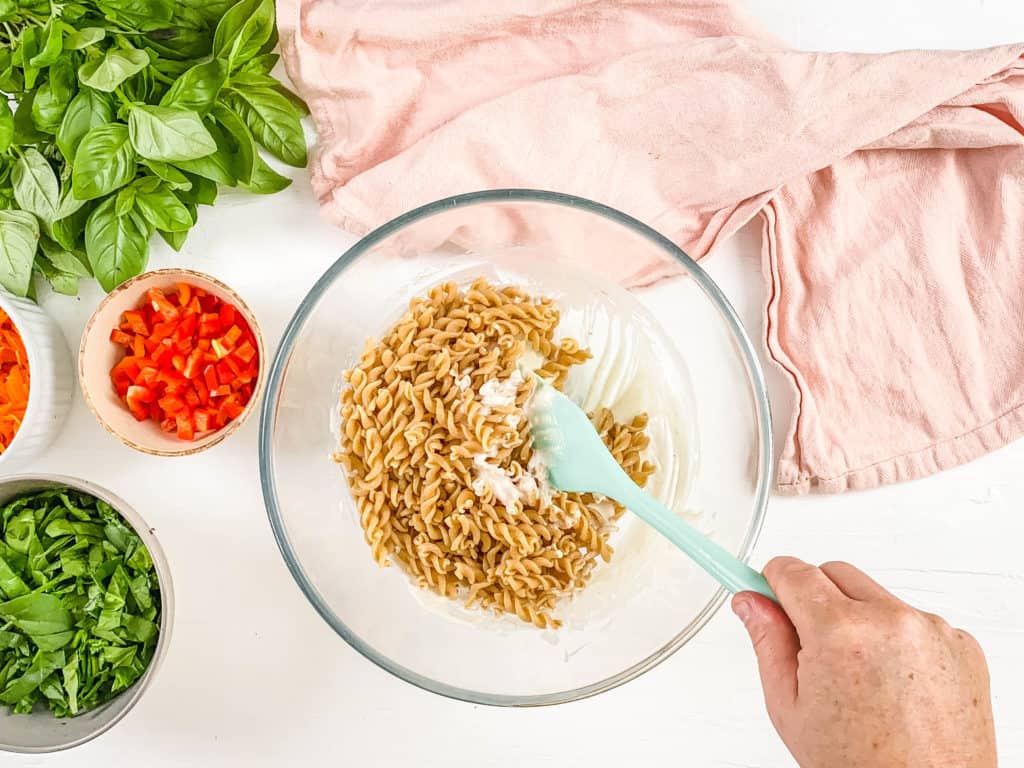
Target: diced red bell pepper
182 350
193 364
120 337
184 294
245 352
219 349
232 336
185 429
163 306
137 399
163 330
136 322
227 315
201 420
128 367
172 405
210 377
147 376
231 408
224 373
203 391
163 352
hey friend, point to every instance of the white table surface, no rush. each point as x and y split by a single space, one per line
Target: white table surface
255 678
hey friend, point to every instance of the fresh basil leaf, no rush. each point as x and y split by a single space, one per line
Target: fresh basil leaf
35 185
64 260
25 131
217 166
19 235
197 88
164 211
209 10
243 31
244 146
116 66
67 231
117 246
83 38
105 161
273 121
50 47
26 51
142 14
53 96
249 79
174 178
66 284
174 239
146 184
11 78
262 64
89 109
6 125
179 44
169 134
124 202
202 192
265 180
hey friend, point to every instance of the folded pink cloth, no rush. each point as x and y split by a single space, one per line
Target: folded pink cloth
891 186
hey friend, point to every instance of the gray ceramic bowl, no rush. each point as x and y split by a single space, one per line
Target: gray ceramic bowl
40 731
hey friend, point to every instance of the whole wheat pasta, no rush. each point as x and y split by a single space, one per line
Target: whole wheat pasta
436 447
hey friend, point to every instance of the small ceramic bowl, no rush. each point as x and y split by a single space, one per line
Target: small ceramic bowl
51 381
39 731
97 355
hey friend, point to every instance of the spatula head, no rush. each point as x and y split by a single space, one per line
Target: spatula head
576 457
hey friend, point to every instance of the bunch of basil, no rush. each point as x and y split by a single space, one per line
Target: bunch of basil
127 115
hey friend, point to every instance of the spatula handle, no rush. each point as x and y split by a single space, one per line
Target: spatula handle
731 572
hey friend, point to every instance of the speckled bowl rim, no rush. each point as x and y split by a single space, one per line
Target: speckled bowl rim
164 581
188 449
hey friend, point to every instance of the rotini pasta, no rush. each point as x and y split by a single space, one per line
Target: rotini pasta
436 447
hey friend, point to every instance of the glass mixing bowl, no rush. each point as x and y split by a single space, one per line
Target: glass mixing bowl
681 339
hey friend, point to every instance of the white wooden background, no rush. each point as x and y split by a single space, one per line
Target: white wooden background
254 678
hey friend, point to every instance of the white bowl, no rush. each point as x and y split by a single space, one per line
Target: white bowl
39 731
51 381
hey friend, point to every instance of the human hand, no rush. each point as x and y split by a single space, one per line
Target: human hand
853 677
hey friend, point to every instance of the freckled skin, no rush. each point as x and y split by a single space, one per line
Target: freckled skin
855 678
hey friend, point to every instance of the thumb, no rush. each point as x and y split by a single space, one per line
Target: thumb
776 645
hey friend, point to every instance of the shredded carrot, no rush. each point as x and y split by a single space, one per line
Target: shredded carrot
14 381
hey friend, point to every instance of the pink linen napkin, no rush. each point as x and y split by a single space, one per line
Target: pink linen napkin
891 186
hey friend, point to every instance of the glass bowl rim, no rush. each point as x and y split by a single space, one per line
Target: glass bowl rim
275 378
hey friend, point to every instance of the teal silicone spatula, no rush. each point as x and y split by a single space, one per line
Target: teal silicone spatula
578 461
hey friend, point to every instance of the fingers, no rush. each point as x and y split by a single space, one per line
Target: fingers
854 583
776 645
807 595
